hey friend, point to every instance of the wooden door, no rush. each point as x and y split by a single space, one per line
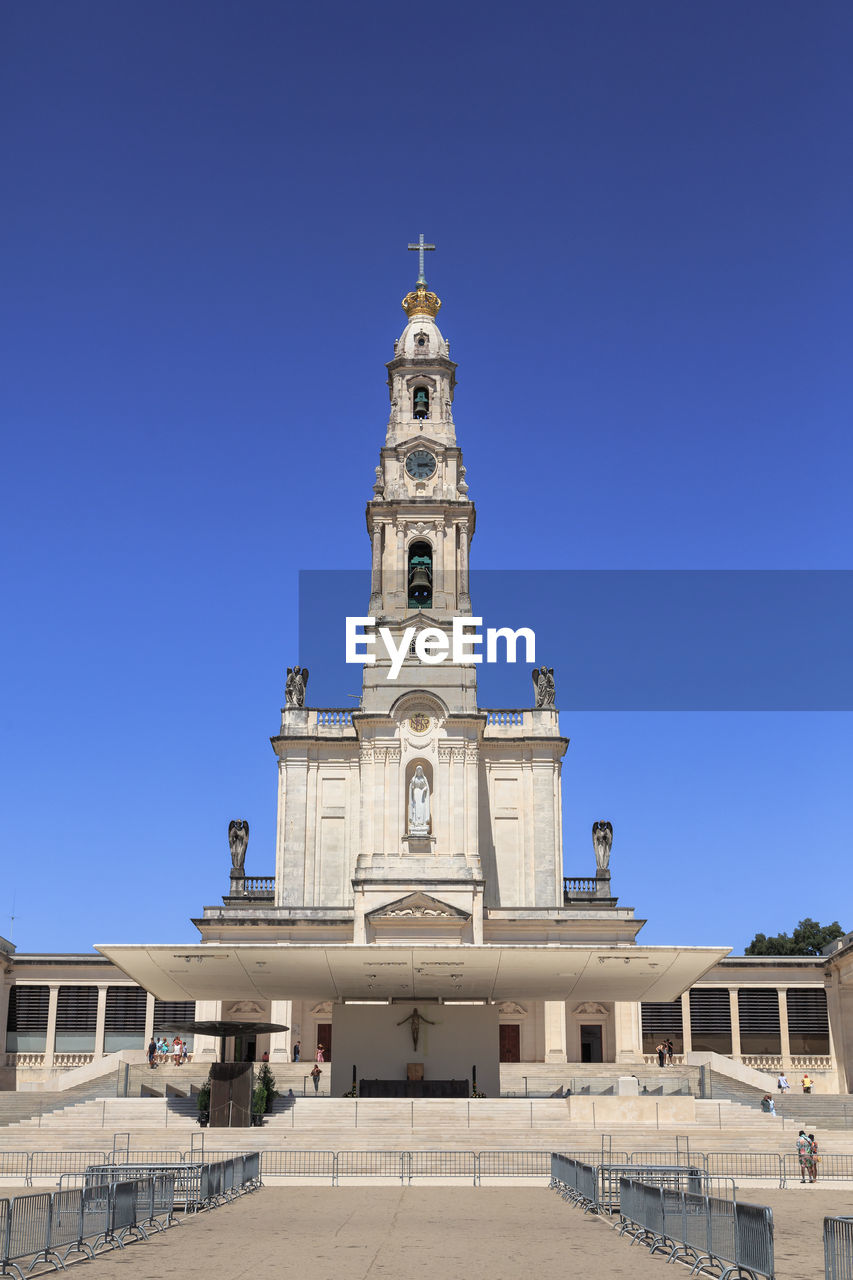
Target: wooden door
510 1042
324 1038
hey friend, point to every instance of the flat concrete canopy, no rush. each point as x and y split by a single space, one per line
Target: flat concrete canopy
283 971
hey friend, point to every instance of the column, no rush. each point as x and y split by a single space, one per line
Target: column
686 1025
628 1033
50 1038
149 1017
735 1021
376 569
555 1031
5 988
280 1041
464 596
438 565
206 1048
784 1034
100 1022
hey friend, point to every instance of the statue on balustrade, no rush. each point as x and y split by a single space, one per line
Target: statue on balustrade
543 682
419 803
602 839
238 840
294 686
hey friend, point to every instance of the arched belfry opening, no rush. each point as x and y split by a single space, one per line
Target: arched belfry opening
420 402
420 575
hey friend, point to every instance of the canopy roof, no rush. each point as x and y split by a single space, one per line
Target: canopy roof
281 971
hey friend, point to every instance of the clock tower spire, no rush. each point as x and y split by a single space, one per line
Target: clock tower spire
420 519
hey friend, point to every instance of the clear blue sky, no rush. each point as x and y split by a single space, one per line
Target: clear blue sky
643 215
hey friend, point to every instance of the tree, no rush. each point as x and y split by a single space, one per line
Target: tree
808 939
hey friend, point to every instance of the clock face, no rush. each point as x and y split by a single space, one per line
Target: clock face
420 464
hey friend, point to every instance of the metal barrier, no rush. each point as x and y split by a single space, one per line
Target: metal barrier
574 1180
49 1164
747 1164
830 1168
701 1229
443 1164
371 1164
513 1164
838 1248
15 1164
128 1156
298 1164
27 1229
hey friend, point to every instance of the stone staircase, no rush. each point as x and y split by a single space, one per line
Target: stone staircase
824 1110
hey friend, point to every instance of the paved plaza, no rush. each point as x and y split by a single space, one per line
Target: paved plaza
455 1233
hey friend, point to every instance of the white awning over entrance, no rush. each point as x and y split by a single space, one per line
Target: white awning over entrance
276 971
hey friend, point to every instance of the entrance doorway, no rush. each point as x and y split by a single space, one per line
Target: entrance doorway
510 1042
324 1038
591 1043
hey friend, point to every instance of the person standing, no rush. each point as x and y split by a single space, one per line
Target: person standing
315 1076
321 1053
660 1050
669 1052
807 1083
813 1158
152 1053
803 1154
297 1050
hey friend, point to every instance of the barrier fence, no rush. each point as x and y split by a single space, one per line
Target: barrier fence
740 1166
700 1229
838 1248
116 1203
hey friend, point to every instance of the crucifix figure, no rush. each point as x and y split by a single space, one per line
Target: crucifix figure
416 1019
421 248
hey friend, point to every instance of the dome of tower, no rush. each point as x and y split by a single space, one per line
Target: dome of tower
421 338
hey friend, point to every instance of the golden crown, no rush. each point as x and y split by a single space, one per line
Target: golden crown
420 302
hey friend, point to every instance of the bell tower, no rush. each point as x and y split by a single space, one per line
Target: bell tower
420 519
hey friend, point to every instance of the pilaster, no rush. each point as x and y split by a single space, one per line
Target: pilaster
100 1021
555 1031
149 1017
686 1025
50 1036
280 1041
784 1033
734 1018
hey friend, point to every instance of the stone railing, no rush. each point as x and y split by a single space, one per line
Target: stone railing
65 1061
651 1059
811 1062
505 717
24 1059
761 1061
575 885
334 715
259 886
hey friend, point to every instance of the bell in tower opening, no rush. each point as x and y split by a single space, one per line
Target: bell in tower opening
421 402
420 575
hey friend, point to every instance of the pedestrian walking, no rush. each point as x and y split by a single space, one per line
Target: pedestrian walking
297 1050
152 1053
807 1083
782 1084
315 1076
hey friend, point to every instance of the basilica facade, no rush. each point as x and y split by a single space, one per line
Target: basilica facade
419 924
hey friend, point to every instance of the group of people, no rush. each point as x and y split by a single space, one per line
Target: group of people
160 1050
807 1154
664 1050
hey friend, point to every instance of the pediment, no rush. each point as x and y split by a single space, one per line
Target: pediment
419 904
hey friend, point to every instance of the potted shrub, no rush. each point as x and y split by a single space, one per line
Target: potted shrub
266 1080
259 1104
203 1103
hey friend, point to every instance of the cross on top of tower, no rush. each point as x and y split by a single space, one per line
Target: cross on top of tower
421 249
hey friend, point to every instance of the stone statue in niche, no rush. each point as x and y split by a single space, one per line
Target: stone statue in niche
602 839
294 686
543 682
419 803
238 840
